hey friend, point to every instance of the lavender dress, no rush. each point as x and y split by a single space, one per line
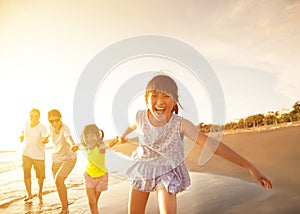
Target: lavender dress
159 159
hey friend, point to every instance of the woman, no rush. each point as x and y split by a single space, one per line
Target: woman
63 156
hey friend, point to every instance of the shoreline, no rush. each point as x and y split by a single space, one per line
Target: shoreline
216 187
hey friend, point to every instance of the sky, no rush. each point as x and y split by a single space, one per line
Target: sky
252 46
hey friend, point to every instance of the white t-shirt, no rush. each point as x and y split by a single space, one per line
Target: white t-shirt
62 149
33 146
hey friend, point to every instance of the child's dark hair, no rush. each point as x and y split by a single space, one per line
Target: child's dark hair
166 85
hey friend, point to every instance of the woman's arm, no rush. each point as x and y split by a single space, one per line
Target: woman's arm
74 146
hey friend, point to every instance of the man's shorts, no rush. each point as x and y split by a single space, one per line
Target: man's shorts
39 167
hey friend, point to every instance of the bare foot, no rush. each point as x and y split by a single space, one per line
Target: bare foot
64 211
40 196
27 198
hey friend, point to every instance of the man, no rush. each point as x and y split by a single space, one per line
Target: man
35 136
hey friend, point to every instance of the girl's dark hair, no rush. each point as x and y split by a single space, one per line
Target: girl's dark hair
166 85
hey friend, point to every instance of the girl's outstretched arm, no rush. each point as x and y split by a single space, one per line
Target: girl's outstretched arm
122 138
112 142
191 131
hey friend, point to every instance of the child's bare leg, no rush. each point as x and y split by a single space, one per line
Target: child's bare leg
166 201
93 197
137 201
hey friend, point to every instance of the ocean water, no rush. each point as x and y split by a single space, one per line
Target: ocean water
12 182
13 191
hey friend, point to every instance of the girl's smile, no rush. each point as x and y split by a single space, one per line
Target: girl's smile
90 140
160 106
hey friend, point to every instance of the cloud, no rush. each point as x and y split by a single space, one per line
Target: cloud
265 36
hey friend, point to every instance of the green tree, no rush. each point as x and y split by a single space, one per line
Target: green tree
270 118
258 120
296 106
295 113
285 118
249 121
242 123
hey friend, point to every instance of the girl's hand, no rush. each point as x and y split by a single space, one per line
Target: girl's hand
74 148
122 139
102 147
260 178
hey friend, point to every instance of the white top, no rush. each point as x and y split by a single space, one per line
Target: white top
62 149
161 149
33 146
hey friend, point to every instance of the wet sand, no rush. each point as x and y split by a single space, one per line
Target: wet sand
217 187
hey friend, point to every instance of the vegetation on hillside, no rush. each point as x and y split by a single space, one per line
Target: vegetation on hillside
257 120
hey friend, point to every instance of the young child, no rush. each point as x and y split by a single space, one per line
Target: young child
158 162
96 176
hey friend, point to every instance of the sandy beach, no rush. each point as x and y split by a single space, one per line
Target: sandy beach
217 187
